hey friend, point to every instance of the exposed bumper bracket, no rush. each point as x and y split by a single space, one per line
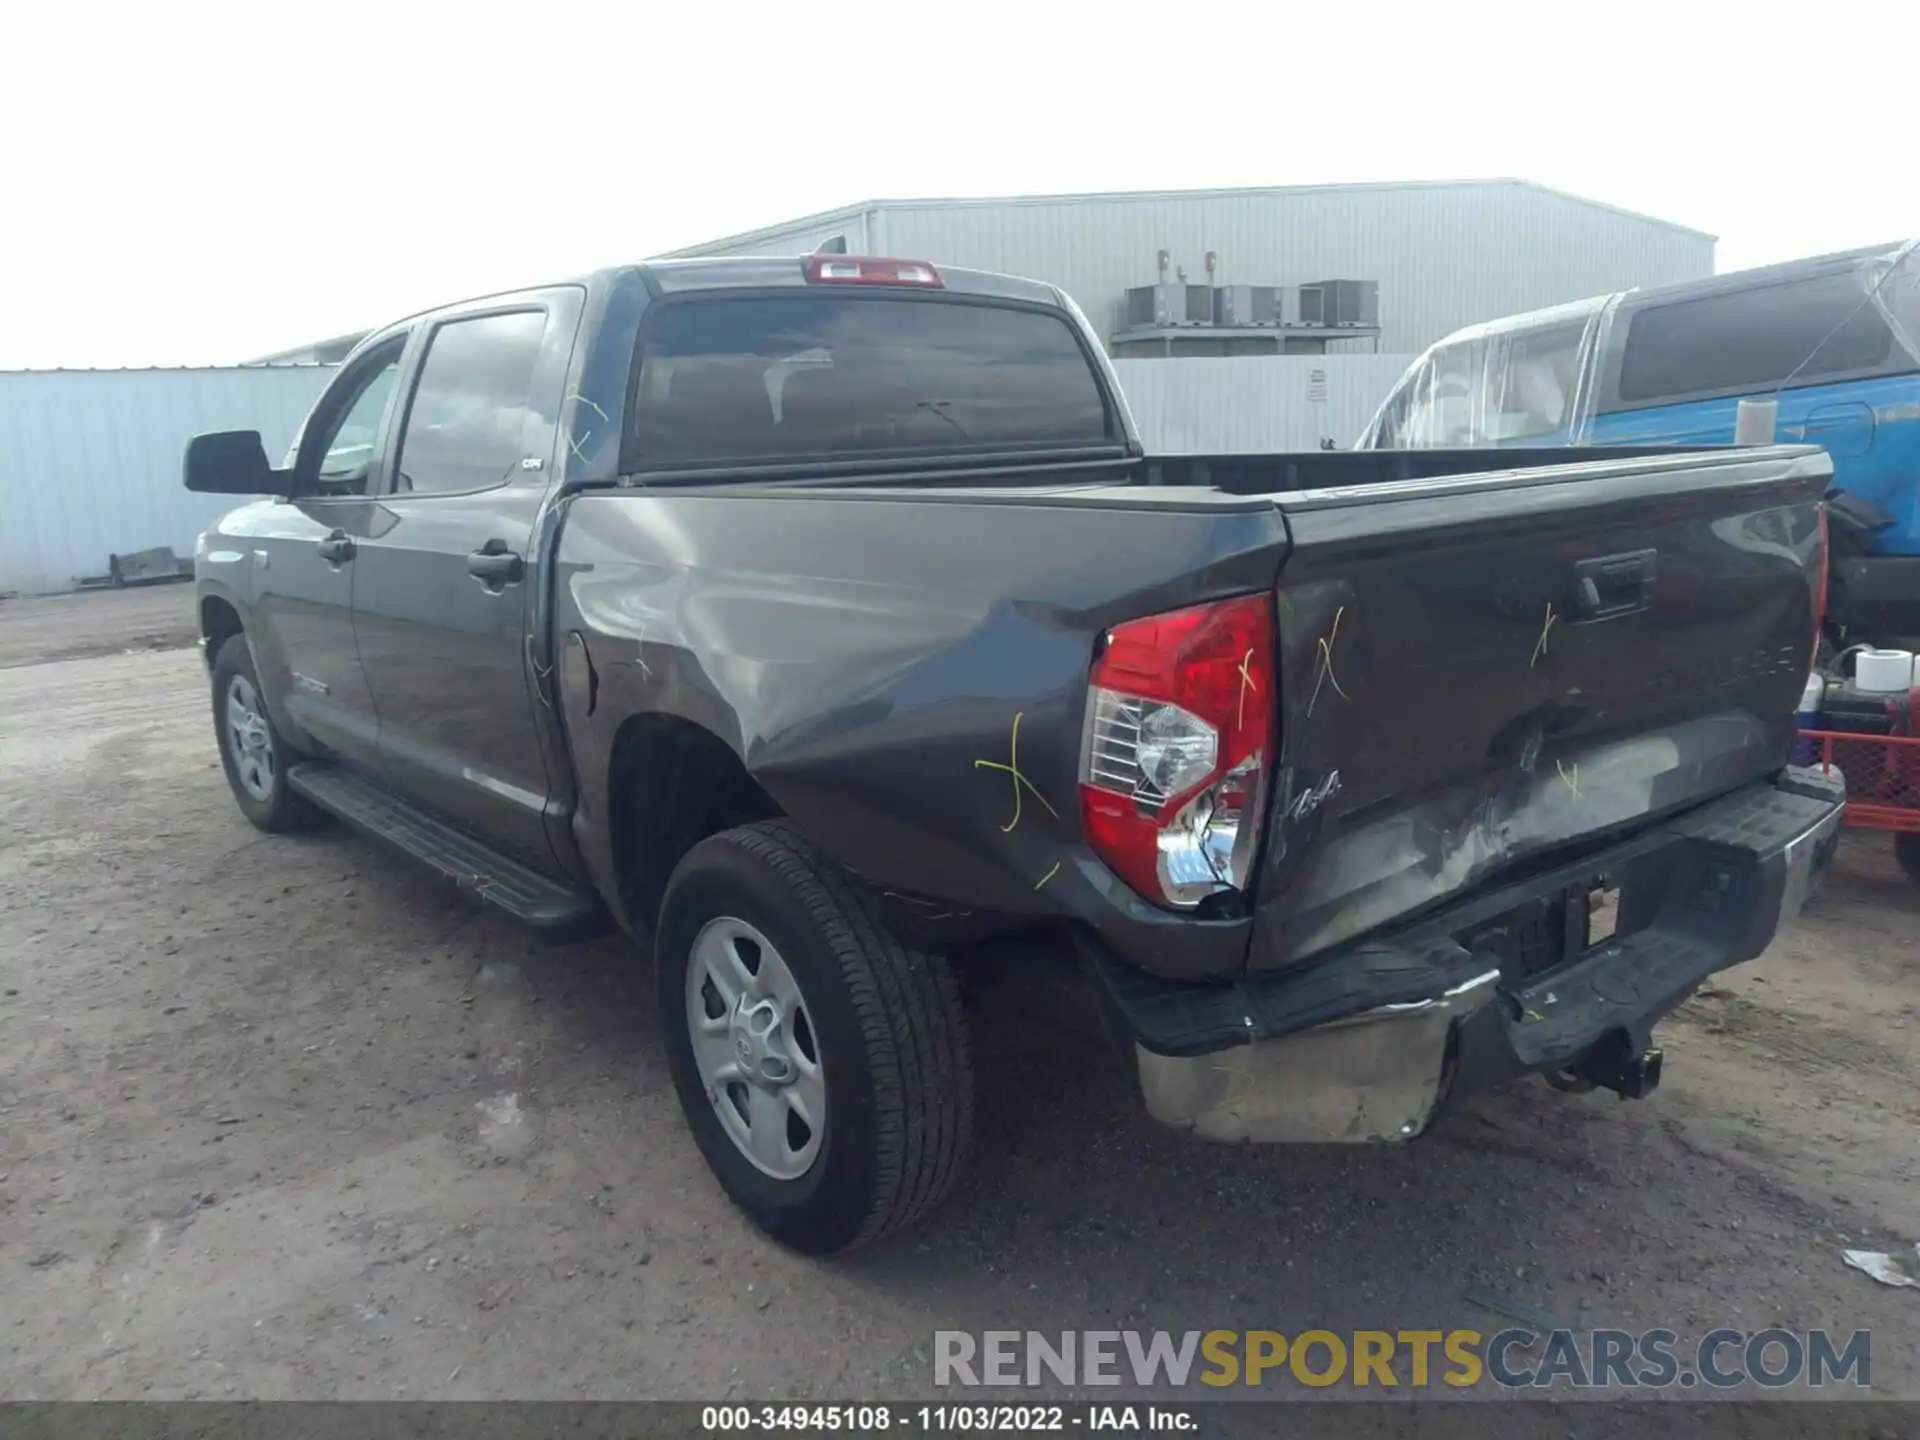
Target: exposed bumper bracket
1712 889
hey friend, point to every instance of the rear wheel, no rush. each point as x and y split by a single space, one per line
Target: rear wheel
252 751
1906 850
823 1067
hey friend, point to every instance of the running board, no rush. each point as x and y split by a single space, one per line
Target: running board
557 912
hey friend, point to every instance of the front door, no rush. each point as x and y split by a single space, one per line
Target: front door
303 565
443 581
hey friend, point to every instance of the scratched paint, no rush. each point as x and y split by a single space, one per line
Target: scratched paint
1020 781
864 654
861 655
1324 675
1546 629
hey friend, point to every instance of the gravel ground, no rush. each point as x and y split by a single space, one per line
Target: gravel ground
281 1118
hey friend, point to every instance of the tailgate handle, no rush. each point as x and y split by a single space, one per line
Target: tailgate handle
1612 585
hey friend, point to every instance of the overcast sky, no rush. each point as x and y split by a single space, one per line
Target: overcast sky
198 182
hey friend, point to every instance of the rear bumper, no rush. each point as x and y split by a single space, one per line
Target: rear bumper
1367 1044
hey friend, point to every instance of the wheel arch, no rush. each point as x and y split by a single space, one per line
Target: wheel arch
219 622
671 783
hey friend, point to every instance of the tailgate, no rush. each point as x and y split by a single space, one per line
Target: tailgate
1483 672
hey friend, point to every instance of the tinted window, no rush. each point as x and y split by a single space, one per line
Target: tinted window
1753 339
844 375
467 426
349 454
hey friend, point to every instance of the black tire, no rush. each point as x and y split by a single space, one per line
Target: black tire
279 810
898 1069
1906 853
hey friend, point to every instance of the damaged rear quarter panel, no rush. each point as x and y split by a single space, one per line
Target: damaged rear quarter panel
868 654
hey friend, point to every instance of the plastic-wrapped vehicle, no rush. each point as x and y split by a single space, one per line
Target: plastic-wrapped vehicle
1836 340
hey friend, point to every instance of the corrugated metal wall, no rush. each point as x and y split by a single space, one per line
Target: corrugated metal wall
1253 404
1445 255
805 239
90 460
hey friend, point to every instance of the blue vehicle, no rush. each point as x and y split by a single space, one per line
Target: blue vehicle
1835 340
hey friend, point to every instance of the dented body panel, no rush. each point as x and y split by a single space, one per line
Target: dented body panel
1470 708
868 654
868 651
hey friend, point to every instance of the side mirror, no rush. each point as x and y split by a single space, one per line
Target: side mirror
231 462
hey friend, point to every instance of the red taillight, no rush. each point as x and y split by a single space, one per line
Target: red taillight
863 270
1177 749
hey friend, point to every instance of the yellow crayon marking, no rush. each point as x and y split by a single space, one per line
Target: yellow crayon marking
1573 780
1540 645
576 395
1019 780
1326 664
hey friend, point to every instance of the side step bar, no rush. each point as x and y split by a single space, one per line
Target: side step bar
557 912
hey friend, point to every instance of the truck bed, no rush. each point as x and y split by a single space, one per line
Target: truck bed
1337 469
1486 669
1449 710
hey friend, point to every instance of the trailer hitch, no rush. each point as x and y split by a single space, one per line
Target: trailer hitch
1623 1064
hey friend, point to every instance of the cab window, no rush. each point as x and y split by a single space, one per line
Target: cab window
347 460
467 426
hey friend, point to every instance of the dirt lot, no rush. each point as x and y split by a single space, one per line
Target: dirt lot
96 622
283 1119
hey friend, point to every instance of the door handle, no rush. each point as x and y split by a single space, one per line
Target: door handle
1612 585
337 548
495 566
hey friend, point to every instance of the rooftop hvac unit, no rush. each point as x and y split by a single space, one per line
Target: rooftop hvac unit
1169 305
1249 306
1341 303
1245 305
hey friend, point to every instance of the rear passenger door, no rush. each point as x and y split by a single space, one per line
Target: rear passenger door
444 584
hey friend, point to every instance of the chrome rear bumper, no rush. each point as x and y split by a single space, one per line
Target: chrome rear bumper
1707 891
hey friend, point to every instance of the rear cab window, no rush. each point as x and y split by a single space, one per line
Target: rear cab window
1809 331
806 377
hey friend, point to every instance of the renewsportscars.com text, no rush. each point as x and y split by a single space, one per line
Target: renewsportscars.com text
1723 1359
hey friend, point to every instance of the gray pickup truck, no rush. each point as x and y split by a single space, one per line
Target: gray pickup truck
816 620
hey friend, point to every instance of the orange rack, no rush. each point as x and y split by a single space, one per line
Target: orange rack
1882 773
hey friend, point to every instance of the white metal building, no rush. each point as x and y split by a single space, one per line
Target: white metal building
1432 256
90 460
1444 254
1258 404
